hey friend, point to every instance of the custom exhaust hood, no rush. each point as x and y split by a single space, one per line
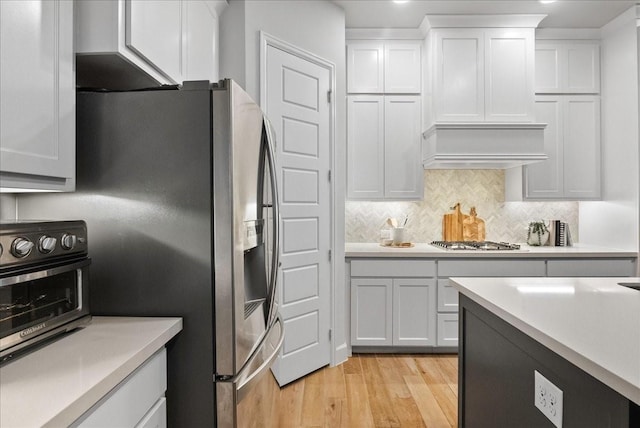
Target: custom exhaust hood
479 92
482 145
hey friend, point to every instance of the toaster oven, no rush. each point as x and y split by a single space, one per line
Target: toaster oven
44 282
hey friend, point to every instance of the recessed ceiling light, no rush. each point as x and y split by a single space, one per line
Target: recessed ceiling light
400 1
547 1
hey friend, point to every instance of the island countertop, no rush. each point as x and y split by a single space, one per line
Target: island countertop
55 385
367 249
593 323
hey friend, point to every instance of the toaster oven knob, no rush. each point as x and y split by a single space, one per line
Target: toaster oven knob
68 241
21 247
46 244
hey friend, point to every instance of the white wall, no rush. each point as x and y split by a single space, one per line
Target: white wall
318 27
613 222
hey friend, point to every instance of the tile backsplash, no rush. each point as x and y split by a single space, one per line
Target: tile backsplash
483 189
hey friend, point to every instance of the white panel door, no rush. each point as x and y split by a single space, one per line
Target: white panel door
365 67
403 172
371 311
365 145
414 312
545 179
154 31
299 108
459 75
582 147
509 75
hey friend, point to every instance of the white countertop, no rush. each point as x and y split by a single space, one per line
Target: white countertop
56 384
356 249
592 322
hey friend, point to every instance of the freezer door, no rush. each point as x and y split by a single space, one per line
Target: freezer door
250 399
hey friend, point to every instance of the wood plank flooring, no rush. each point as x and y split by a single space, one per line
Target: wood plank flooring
375 390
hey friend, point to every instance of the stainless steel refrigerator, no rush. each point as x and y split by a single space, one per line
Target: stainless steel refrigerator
178 190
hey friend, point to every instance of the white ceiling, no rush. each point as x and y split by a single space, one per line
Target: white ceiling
561 14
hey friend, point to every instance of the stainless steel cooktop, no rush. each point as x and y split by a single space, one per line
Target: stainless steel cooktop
472 245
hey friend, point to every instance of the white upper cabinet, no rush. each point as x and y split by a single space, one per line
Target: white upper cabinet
37 107
153 30
567 67
376 67
481 74
572 142
383 137
127 44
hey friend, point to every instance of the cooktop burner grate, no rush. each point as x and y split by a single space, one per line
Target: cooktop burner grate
473 245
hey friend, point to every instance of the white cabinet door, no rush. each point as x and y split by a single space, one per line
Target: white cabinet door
200 42
567 67
403 172
37 106
371 311
154 31
459 75
509 75
365 67
402 68
365 140
544 179
572 141
582 147
414 310
548 68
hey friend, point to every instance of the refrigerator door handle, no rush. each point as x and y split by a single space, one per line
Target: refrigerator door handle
275 260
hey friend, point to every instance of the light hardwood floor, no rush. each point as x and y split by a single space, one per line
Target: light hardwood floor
375 390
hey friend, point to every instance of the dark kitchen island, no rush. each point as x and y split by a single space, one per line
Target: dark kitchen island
581 336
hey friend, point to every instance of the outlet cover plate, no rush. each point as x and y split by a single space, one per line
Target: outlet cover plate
548 399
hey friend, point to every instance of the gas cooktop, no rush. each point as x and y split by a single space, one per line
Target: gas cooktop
473 245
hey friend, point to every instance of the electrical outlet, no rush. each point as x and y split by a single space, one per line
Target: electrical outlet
548 399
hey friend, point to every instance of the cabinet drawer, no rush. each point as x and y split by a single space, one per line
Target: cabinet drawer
447 297
592 267
128 403
156 417
447 330
394 268
479 267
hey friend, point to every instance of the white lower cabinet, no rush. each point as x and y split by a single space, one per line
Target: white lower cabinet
137 402
395 308
399 302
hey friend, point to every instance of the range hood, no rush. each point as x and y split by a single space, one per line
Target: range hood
482 145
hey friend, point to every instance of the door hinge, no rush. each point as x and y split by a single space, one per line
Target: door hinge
329 255
330 331
328 96
329 175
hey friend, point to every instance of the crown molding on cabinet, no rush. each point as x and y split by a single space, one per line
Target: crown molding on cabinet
481 21
568 34
383 34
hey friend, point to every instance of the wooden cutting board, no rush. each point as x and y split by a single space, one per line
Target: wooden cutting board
452 225
473 228
457 226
